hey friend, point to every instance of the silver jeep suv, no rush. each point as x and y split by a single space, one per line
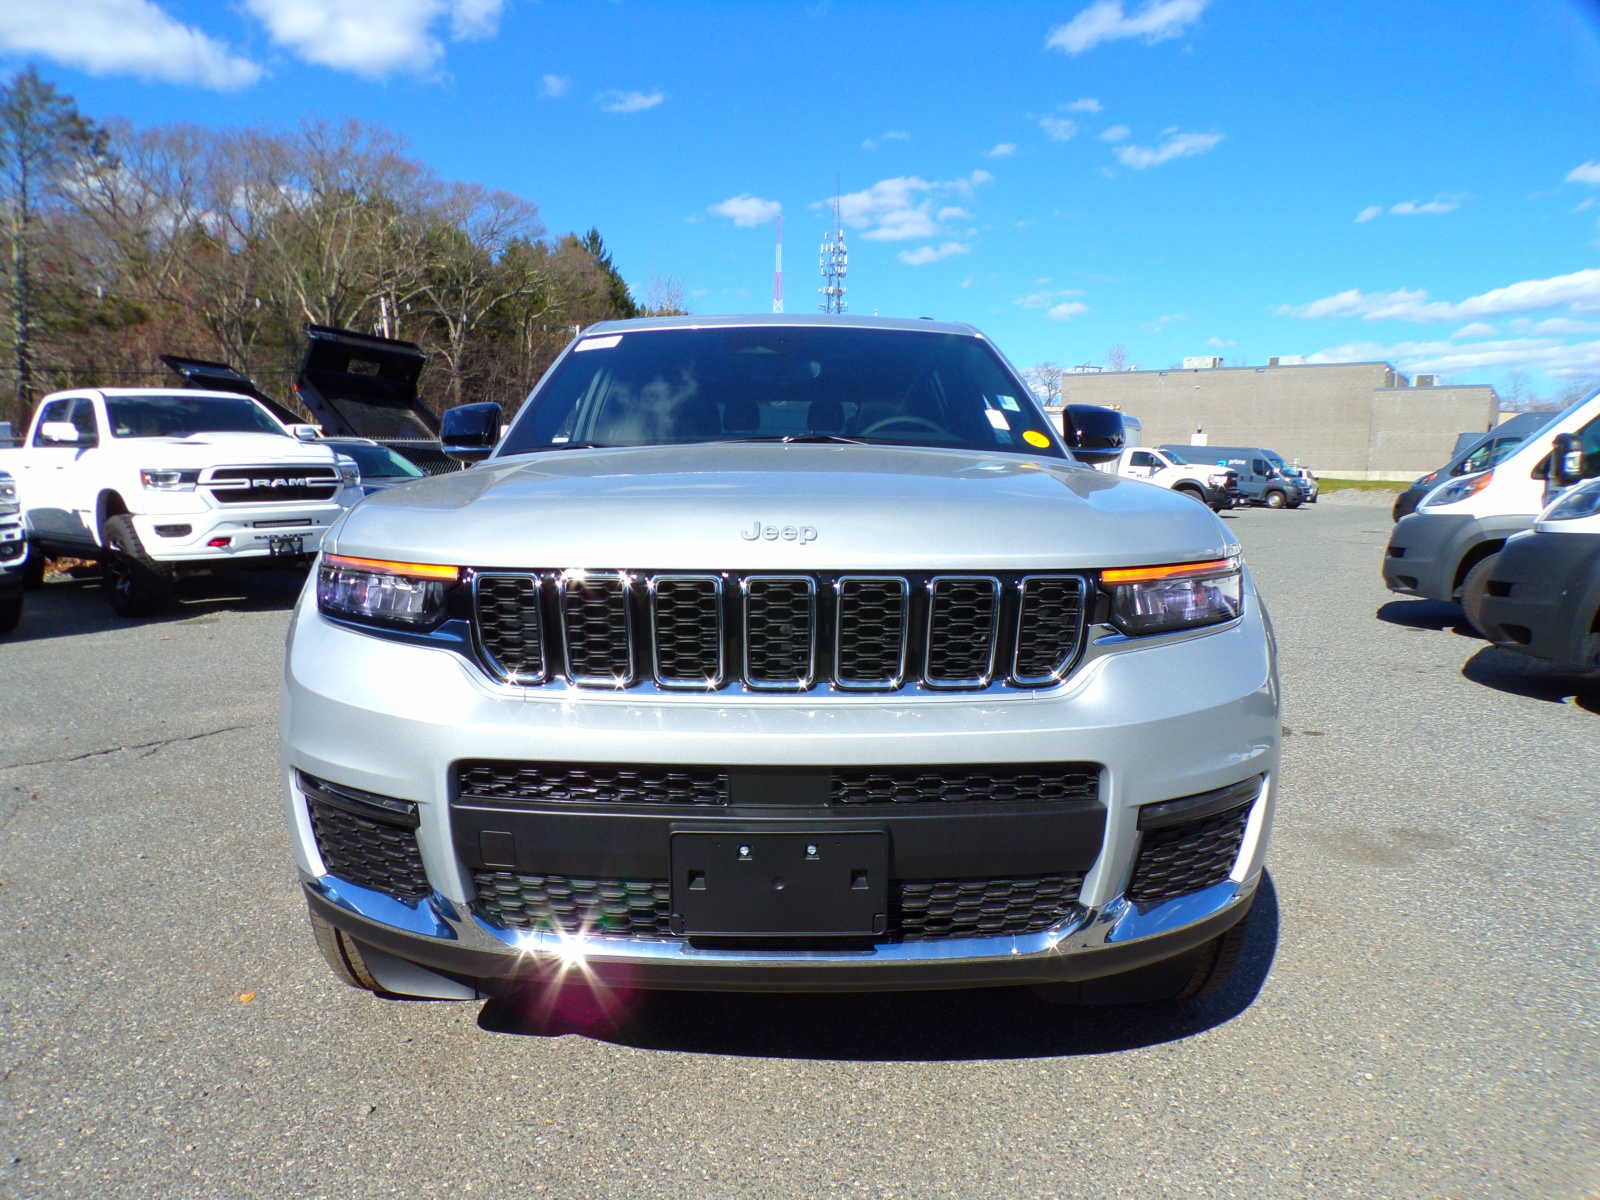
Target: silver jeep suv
788 653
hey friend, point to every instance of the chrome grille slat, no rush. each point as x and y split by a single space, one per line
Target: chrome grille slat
780 632
706 631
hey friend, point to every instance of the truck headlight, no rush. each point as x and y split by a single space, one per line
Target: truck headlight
1146 600
1575 505
168 479
1453 493
349 472
408 595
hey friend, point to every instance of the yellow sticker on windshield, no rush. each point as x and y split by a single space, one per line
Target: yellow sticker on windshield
1034 438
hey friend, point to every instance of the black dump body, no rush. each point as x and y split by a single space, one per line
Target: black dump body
220 377
357 385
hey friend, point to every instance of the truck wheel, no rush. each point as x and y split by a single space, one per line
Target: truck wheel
135 583
33 570
1192 975
10 612
1474 588
343 956
1275 499
1191 492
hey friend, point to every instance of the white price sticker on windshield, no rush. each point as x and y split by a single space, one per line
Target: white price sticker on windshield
599 343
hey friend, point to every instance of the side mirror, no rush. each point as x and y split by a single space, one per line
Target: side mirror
468 433
305 433
59 433
1566 460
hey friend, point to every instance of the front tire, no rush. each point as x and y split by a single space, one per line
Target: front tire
33 570
1191 492
1192 975
1473 590
135 583
10 612
343 956
1275 499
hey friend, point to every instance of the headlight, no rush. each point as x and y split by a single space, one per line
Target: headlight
8 496
169 479
409 595
1454 493
1576 504
349 472
1146 600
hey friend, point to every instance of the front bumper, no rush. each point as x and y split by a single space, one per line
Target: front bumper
394 720
1543 598
1426 550
181 537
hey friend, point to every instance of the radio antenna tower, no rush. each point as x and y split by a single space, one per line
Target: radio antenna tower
835 261
777 272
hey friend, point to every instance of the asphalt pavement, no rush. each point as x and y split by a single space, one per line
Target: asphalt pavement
1415 1015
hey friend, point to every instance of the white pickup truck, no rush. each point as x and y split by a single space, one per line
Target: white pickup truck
157 483
1211 485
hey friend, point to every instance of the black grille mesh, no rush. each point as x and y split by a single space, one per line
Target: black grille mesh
509 624
919 910
872 632
1185 858
688 630
635 908
1047 637
961 629
778 631
592 783
1036 783
273 485
374 854
925 910
594 614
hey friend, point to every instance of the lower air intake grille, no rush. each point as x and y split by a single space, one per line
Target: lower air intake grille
1181 859
1033 783
592 783
375 849
926 910
635 908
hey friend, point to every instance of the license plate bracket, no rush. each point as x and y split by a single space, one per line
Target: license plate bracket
286 545
819 884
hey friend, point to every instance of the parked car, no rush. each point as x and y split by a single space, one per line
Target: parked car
1261 472
155 484
1542 592
1215 487
790 653
1480 453
381 466
1444 549
13 555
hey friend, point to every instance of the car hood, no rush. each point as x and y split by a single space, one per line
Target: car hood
220 449
725 506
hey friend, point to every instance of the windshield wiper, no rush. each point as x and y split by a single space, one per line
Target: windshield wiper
574 446
793 438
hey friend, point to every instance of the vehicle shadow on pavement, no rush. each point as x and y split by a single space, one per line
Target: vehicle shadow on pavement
1518 675
1427 614
940 1026
67 607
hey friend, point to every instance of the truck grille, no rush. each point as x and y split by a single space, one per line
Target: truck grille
780 633
367 839
919 910
643 783
271 485
1180 859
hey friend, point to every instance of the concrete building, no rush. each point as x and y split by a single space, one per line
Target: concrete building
1345 420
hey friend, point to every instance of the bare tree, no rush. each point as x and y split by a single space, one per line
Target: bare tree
1117 358
1044 379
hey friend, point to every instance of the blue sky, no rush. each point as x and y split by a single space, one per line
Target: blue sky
1416 181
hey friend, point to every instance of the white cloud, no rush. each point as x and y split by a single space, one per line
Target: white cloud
1478 329
1047 298
1088 104
928 254
122 37
1058 129
373 38
628 102
1065 312
1552 357
552 86
1588 172
893 135
967 282
903 208
1586 205
1410 208
1220 343
1117 133
1105 21
952 212
1368 213
1178 145
1580 290
1559 326
746 211
1161 322
1001 150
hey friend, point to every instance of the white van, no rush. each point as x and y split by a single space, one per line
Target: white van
1444 548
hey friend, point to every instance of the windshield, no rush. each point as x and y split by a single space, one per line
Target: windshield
764 383
377 462
179 414
1177 458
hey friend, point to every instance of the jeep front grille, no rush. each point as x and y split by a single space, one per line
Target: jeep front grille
703 631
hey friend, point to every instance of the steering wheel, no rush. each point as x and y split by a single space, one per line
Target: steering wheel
915 422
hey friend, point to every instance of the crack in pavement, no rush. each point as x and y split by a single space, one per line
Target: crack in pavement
152 747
